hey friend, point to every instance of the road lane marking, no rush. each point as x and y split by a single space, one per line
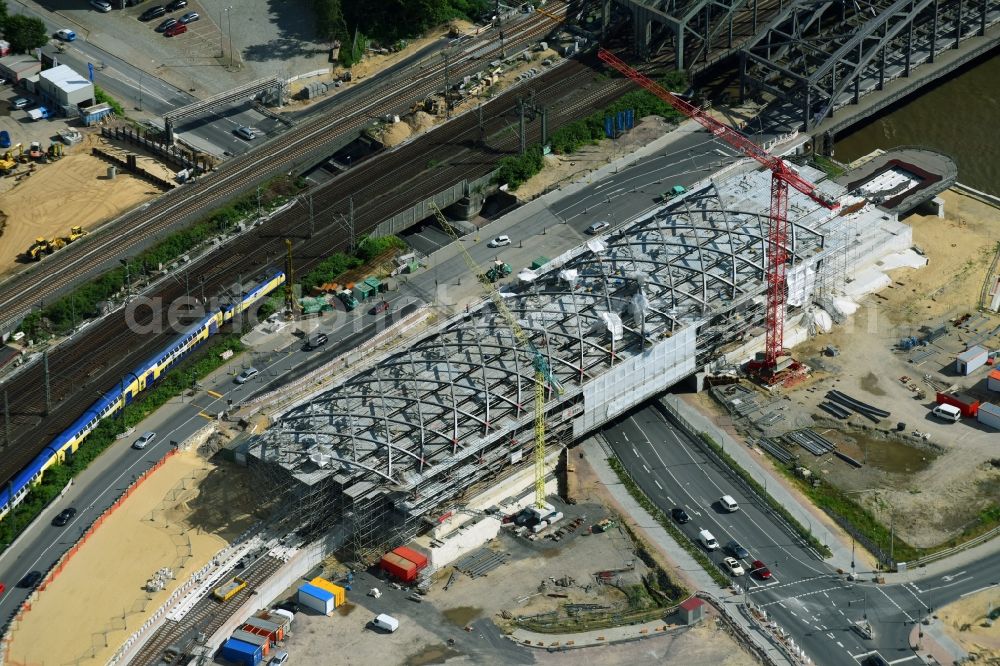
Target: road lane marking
893 601
901 660
671 499
214 394
977 591
839 644
206 416
657 484
646 468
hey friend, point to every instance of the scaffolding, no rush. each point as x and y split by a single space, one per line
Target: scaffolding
618 319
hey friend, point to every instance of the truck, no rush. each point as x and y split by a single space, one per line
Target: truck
674 191
386 623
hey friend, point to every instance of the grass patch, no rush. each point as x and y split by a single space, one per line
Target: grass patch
776 506
659 516
828 166
62 315
179 379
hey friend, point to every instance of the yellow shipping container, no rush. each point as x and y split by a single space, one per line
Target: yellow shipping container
339 593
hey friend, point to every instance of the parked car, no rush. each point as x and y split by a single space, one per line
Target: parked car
760 570
598 227
3 588
176 29
280 658
680 515
101 5
64 517
166 24
246 133
4 139
66 35
30 579
736 550
176 4
381 306
290 605
20 103
733 566
499 241
144 440
246 375
190 17
153 13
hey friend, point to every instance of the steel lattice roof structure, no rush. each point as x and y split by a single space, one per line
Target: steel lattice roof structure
619 319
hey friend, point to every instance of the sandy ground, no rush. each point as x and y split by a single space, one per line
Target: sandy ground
372 64
72 191
931 499
410 125
563 168
174 519
965 622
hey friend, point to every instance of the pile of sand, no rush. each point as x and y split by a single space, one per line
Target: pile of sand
966 622
99 599
421 121
395 134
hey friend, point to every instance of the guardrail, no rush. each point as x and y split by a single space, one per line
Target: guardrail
948 552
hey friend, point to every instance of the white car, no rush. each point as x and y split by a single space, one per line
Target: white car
144 440
598 227
101 5
246 375
733 566
499 241
65 35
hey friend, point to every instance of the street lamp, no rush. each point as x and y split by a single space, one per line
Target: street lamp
229 21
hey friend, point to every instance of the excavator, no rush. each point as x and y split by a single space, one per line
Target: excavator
42 246
35 150
11 158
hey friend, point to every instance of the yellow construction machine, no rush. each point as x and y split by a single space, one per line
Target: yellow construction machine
74 233
10 158
42 246
38 249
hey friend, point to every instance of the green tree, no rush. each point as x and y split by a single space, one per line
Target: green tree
24 32
330 23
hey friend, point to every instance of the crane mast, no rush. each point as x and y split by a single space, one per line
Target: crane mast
782 176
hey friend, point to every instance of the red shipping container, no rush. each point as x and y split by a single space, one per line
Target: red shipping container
414 556
400 567
968 405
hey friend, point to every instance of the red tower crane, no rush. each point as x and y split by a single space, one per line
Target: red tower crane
782 176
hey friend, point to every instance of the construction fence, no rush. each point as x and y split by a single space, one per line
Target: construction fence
60 564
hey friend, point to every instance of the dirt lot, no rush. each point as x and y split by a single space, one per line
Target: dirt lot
966 622
932 488
72 191
469 612
181 515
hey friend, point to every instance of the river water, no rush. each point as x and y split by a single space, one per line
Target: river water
959 117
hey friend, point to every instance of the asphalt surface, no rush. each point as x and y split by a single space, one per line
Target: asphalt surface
805 596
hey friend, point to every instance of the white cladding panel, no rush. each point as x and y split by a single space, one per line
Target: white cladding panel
636 379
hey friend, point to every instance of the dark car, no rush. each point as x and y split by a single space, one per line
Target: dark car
680 515
30 579
760 570
317 341
736 550
64 517
174 5
169 23
153 13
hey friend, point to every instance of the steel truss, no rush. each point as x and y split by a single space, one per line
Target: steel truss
415 431
821 56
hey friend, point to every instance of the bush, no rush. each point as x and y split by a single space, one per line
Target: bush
372 246
105 434
514 170
659 516
102 97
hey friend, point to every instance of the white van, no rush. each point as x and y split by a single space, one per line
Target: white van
728 503
386 623
947 413
707 540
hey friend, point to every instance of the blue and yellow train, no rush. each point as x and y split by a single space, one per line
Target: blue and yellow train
143 376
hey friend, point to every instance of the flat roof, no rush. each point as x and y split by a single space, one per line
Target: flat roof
65 78
972 353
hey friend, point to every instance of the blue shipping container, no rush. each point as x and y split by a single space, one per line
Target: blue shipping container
241 653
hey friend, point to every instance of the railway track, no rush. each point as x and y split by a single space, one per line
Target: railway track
184 205
205 617
95 362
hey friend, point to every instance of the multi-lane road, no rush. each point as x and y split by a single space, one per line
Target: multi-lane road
805 595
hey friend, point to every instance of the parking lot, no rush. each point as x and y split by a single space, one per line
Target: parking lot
265 41
19 125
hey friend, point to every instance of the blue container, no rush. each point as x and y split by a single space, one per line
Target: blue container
241 653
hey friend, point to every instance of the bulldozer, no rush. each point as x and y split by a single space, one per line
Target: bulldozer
74 233
38 249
